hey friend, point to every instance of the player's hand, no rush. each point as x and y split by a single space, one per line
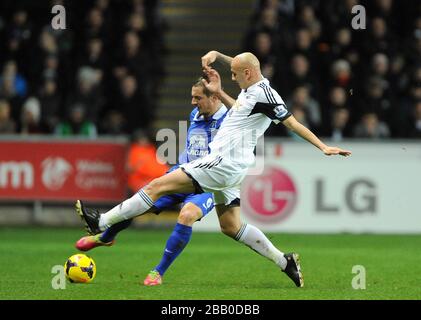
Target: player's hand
209 58
330 151
214 80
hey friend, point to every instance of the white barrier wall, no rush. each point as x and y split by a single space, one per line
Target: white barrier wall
376 190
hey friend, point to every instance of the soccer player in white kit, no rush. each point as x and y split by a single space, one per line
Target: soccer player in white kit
225 167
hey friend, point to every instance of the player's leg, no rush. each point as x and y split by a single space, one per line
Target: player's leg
232 226
174 182
176 242
161 204
251 236
196 207
107 238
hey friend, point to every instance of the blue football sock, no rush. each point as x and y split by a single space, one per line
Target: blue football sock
112 231
176 243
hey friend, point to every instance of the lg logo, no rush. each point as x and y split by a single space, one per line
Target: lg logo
272 196
359 197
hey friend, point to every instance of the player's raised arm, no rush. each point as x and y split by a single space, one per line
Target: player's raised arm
292 124
213 56
213 84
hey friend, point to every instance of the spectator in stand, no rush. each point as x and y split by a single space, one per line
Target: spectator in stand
379 38
104 7
377 100
136 22
133 103
268 21
95 27
88 93
8 92
47 46
50 70
18 36
298 75
50 105
152 29
142 163
133 60
385 10
10 71
77 124
31 117
307 20
398 77
341 74
338 99
94 55
304 45
337 13
45 58
7 125
380 67
263 49
342 47
339 127
302 99
114 123
371 127
149 48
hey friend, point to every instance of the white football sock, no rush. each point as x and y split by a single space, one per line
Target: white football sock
256 240
132 207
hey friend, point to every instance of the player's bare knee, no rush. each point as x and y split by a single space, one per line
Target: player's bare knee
155 188
229 230
189 216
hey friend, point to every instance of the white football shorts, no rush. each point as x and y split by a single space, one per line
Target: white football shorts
218 175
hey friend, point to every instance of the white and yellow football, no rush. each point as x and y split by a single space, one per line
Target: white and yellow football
80 268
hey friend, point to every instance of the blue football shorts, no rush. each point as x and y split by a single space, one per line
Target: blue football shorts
204 201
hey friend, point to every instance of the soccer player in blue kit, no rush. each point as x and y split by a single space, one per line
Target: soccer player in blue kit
205 120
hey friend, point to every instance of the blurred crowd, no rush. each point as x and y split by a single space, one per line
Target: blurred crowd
101 75
342 82
98 76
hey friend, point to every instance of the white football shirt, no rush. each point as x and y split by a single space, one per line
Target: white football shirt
247 120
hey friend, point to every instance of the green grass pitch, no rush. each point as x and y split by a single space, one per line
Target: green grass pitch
211 267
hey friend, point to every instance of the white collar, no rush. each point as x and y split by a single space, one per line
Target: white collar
264 80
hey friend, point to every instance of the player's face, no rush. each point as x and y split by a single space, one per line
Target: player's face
201 101
237 75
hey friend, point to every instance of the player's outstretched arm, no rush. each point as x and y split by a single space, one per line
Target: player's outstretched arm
214 86
292 124
213 56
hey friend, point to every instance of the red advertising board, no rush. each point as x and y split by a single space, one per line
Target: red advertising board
62 171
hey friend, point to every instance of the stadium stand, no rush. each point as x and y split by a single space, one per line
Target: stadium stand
109 63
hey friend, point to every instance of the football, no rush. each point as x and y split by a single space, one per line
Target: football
80 268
